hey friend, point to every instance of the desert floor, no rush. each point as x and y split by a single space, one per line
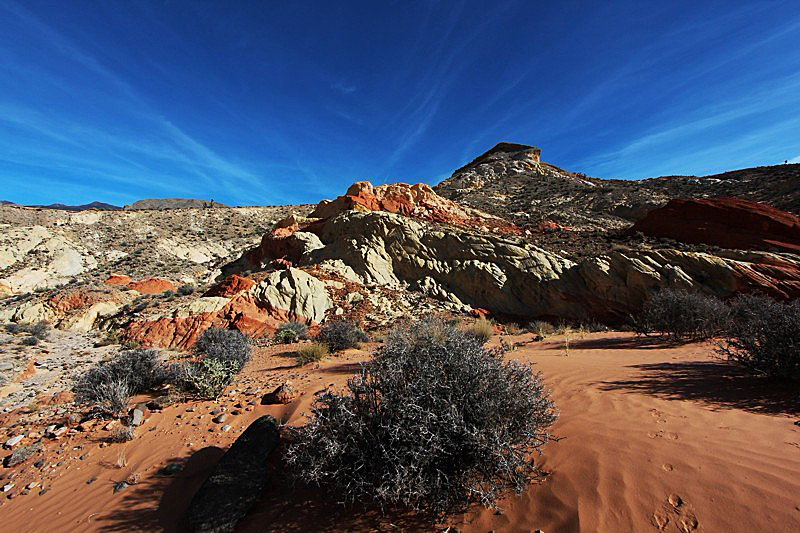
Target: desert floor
651 437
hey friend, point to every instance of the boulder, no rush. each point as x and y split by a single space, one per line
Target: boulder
152 286
118 280
230 286
236 482
294 294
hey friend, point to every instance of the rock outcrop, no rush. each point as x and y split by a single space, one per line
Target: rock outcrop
724 222
152 286
417 201
508 276
290 294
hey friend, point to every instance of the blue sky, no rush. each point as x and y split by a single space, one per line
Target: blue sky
265 103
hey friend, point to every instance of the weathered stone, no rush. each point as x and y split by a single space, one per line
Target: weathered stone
21 454
236 481
283 394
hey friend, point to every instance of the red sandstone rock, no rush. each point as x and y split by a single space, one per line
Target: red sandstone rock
118 280
724 222
479 313
152 286
73 300
284 394
230 286
419 201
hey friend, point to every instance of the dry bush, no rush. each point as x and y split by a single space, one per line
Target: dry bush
682 316
481 329
764 335
311 352
435 422
225 345
340 335
290 332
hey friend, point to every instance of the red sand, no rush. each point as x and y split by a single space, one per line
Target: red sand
652 438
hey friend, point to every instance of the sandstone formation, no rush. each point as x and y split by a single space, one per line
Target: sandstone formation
284 295
724 222
152 286
417 201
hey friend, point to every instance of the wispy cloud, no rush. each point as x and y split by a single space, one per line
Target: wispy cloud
344 87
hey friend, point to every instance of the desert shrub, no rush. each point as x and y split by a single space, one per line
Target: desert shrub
682 315
225 345
311 352
210 376
764 335
542 328
186 290
39 330
481 329
435 422
291 332
112 383
340 335
30 341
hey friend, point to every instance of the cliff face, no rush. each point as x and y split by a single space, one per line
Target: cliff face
724 222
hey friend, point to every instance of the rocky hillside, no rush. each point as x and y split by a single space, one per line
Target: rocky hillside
171 203
42 249
511 182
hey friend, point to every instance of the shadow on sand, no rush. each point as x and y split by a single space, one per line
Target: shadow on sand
624 343
287 507
172 492
719 384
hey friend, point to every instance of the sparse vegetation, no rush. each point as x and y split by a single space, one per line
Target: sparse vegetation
311 352
123 434
340 335
542 328
290 332
481 329
110 384
682 315
211 376
225 345
435 422
764 335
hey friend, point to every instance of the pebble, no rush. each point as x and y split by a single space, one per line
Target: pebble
13 441
226 428
221 418
119 487
7 487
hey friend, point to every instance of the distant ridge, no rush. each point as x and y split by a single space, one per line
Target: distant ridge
100 206
171 203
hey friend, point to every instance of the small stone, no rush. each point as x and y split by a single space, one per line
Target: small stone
137 417
91 480
41 492
13 441
172 469
215 412
31 485
226 428
7 487
221 418
119 487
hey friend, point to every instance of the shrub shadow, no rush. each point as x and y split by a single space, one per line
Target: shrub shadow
172 492
344 368
289 507
720 384
626 343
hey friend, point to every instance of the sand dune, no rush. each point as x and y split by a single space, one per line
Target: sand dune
650 438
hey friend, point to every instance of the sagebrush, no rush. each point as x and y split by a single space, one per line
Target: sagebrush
226 345
111 383
340 335
311 352
435 422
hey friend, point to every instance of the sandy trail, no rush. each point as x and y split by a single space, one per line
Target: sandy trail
652 438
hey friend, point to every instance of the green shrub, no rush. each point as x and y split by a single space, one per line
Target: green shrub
340 335
434 422
211 376
311 352
291 332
